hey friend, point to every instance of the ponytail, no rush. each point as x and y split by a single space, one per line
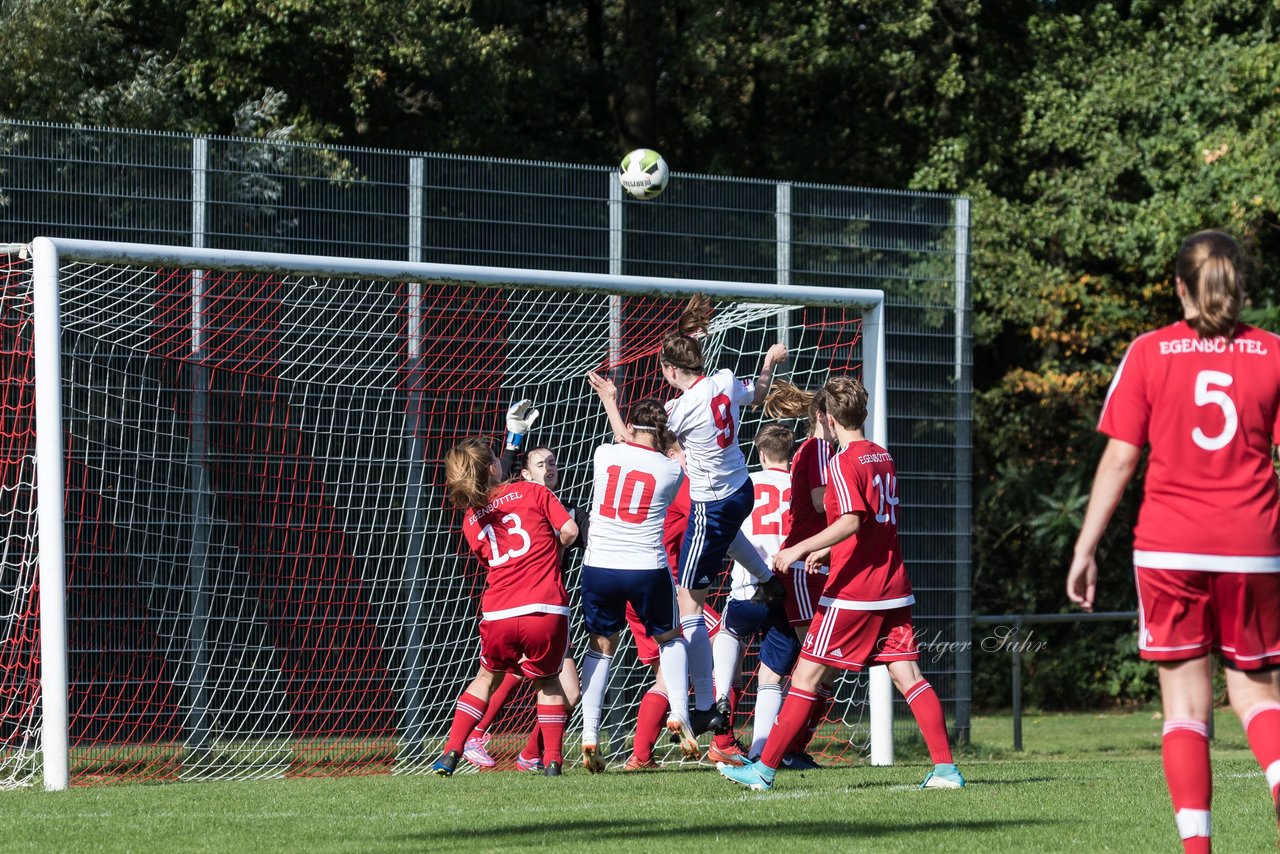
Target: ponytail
1208 263
786 400
467 478
680 348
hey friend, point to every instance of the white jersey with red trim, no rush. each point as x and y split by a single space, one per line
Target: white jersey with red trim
514 535
705 419
1210 409
766 527
632 488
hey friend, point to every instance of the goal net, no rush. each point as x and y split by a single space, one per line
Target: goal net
260 574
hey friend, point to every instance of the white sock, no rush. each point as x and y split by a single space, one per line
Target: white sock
742 551
768 705
700 668
595 679
673 658
725 649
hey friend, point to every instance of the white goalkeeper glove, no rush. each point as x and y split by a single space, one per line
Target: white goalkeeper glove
520 418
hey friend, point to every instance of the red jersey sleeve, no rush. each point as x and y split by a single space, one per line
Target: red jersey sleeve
1126 412
552 508
845 490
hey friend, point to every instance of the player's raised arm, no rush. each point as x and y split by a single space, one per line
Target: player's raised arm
520 418
608 393
776 355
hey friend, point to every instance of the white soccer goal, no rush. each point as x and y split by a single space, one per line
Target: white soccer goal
245 566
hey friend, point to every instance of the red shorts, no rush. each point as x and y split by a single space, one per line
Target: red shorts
1185 614
804 589
533 645
647 647
852 640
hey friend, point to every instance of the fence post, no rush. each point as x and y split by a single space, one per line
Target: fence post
1015 665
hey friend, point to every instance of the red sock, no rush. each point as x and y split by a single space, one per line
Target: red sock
1186 770
816 716
551 721
727 739
470 709
496 701
650 721
929 717
1262 727
793 718
533 747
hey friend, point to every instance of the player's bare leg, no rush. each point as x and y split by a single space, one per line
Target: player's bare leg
1186 692
552 717
595 678
1255 697
926 708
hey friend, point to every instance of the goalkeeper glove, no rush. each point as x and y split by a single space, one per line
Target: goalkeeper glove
520 418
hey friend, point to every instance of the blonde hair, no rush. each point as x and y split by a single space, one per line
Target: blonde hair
468 475
786 400
680 348
1208 263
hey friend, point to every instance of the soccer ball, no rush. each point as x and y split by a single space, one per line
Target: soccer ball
643 173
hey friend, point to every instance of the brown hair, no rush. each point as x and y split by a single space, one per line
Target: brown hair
650 416
1208 263
786 400
669 442
846 402
681 349
776 441
467 478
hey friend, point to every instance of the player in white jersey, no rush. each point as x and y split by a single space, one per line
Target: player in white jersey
745 619
625 562
705 418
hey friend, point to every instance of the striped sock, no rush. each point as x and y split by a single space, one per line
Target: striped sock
551 721
1186 770
497 700
793 718
817 714
469 709
1262 728
929 717
649 722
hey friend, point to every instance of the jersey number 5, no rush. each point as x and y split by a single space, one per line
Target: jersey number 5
628 507
512 521
1207 396
722 415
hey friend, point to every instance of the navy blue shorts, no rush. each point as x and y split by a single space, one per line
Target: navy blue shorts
606 592
779 646
711 529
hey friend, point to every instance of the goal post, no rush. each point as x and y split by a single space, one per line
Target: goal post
253 440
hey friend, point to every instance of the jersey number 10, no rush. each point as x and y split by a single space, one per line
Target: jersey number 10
622 502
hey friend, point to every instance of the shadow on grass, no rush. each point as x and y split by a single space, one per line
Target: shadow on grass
800 828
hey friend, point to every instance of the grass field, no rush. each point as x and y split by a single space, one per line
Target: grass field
1085 782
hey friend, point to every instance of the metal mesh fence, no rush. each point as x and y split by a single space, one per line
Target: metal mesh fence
273 195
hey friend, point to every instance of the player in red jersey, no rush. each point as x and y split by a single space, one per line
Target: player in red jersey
538 464
516 529
1204 393
864 615
808 517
